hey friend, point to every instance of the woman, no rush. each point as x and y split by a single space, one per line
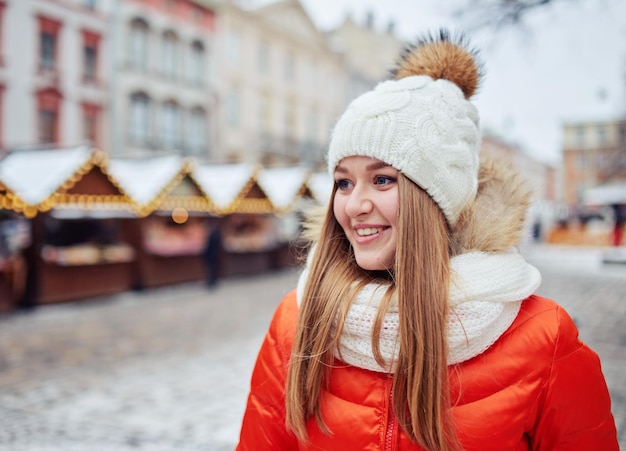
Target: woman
414 324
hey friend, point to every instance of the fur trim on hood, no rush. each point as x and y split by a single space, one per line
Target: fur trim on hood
494 221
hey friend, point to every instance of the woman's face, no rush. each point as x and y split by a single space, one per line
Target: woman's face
366 207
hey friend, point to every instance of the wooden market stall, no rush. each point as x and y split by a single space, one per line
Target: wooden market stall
74 207
170 235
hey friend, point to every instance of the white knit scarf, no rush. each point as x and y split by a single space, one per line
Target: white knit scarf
486 292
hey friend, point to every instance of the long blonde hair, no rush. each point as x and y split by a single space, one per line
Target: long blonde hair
420 280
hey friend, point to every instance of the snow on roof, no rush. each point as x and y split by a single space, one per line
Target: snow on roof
222 183
282 184
321 186
34 175
143 180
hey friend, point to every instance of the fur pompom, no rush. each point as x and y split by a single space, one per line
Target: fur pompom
441 56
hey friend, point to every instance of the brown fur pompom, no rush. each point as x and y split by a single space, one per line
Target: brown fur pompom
441 56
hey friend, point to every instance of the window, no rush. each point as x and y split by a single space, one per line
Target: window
91 114
170 125
233 108
602 136
90 56
233 47
580 137
138 47
264 57
48 37
169 54
139 118
265 113
197 63
290 119
197 131
90 4
290 65
48 109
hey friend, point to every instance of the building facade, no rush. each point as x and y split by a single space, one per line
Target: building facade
53 83
370 53
163 98
211 79
281 85
594 153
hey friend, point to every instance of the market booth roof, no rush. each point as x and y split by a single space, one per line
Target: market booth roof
72 181
161 183
283 186
320 185
228 185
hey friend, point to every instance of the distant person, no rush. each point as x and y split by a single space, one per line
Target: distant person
414 325
619 222
211 254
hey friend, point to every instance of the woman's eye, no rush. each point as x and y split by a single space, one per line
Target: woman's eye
383 180
342 184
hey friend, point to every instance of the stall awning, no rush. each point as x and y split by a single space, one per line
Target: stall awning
72 179
609 194
321 185
148 181
283 186
224 183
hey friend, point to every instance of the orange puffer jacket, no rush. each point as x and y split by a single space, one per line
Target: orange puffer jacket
537 388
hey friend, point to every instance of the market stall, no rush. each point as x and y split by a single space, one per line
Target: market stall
74 208
170 234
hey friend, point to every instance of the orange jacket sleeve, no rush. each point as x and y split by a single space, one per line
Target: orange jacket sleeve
575 411
263 426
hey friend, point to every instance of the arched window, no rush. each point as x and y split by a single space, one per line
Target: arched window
197 131
170 125
169 54
139 130
138 43
197 63
48 115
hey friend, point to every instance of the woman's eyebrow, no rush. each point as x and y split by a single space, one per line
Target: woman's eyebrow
377 165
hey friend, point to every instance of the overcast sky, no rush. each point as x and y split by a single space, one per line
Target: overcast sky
568 63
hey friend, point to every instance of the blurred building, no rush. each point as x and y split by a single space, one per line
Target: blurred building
281 85
161 83
594 153
370 53
219 80
540 176
53 78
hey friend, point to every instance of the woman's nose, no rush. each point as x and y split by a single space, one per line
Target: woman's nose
359 202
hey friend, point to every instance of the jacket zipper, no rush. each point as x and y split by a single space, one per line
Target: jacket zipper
391 424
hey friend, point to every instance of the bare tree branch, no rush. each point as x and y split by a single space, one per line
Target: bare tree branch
498 14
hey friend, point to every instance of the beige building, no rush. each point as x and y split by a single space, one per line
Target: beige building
594 153
281 85
369 52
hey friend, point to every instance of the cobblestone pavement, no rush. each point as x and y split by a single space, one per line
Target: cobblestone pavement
168 368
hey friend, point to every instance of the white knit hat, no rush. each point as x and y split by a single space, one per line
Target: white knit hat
421 123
